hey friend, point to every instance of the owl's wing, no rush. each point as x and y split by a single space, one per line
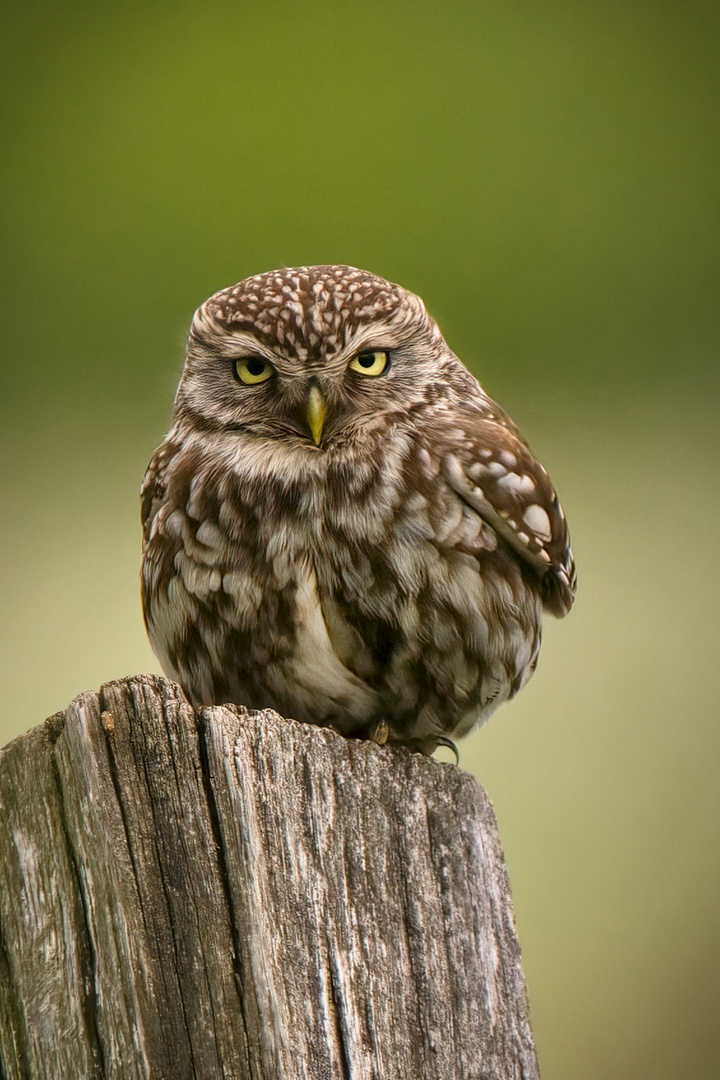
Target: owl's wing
497 475
153 490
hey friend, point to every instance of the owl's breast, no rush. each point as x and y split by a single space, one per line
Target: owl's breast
336 594
423 602
232 601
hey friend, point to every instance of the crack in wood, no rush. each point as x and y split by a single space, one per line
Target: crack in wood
225 883
86 950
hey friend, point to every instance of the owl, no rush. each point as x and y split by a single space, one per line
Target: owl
341 524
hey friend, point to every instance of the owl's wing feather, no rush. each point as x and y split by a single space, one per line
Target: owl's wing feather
497 475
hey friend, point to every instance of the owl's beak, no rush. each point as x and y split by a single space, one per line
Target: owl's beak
315 414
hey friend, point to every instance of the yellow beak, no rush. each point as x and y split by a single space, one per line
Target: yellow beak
315 414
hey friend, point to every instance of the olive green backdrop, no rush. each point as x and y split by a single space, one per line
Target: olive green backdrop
545 175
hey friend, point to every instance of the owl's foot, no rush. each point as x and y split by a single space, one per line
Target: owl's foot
379 732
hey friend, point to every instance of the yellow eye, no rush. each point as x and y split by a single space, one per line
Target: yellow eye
253 369
372 362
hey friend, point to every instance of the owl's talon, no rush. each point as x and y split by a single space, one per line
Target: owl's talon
379 732
444 741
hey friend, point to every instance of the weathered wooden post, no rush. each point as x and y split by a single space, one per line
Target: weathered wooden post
235 895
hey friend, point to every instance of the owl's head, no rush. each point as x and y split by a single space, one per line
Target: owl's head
316 355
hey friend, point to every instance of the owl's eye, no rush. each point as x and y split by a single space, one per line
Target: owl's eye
372 362
253 369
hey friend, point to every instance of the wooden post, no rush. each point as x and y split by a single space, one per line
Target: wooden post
236 895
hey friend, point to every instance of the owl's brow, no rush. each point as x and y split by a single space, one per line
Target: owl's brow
244 343
373 335
239 343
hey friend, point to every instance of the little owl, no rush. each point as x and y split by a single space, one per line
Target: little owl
340 523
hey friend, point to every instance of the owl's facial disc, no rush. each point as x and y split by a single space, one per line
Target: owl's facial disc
316 355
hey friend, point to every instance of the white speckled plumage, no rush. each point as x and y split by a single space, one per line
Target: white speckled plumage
395 572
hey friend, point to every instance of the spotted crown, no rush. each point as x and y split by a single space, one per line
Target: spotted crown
311 311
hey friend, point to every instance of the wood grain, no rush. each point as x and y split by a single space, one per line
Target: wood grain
236 895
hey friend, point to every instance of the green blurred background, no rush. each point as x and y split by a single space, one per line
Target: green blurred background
546 176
